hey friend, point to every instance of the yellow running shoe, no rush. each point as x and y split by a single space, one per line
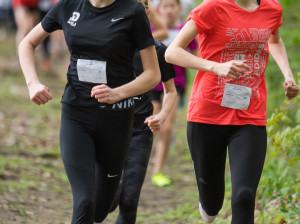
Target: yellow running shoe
160 180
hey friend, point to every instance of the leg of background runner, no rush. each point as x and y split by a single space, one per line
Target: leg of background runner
247 151
163 144
133 177
25 20
208 147
112 143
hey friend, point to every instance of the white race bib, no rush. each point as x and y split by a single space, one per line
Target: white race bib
92 71
236 96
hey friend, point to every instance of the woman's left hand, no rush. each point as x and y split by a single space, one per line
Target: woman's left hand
104 94
291 88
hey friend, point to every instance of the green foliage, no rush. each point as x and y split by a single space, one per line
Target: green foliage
280 182
290 34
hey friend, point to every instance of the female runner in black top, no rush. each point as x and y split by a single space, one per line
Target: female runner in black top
128 194
139 152
97 105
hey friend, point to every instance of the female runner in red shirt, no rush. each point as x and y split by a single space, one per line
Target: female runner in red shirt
227 106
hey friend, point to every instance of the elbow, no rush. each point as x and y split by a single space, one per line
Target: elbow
168 55
25 46
156 78
21 46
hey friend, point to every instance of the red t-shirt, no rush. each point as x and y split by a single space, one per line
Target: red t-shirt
228 32
26 3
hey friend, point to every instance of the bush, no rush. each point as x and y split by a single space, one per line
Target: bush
280 182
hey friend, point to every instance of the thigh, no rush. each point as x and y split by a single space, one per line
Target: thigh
208 144
78 154
113 135
137 162
114 131
208 150
247 151
76 140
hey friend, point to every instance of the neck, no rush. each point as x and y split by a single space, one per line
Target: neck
101 3
247 4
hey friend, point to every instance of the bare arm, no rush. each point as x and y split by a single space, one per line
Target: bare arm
170 94
143 83
161 29
39 93
278 52
176 54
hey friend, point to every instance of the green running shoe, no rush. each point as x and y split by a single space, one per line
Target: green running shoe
160 180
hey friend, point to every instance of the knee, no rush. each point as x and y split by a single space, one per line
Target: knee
128 210
244 197
100 216
130 201
85 205
167 129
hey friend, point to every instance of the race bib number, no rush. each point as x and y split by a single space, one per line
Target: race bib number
92 71
236 97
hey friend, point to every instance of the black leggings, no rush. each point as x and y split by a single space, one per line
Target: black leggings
134 176
247 150
94 144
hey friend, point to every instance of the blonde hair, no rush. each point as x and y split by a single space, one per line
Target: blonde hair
177 1
144 3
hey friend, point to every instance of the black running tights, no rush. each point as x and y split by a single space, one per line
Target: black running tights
246 146
133 177
94 144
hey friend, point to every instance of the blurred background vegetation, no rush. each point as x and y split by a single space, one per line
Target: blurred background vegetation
33 185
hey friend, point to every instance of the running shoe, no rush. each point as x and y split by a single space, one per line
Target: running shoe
205 217
160 180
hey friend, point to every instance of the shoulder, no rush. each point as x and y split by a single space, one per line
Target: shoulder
212 3
273 4
209 6
67 3
272 7
132 8
131 5
70 2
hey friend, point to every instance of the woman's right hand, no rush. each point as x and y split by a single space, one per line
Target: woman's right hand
39 93
231 69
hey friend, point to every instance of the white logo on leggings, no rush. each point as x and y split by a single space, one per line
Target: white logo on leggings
111 176
123 104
